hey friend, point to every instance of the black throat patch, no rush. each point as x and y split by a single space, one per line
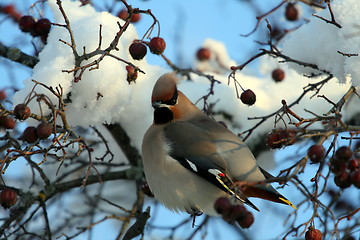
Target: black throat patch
163 115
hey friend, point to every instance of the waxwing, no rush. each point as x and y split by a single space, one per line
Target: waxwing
190 160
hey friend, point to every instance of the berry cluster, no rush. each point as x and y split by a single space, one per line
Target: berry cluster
42 131
345 167
232 213
124 14
278 138
32 134
39 28
138 49
8 198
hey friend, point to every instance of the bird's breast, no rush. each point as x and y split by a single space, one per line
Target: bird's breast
175 186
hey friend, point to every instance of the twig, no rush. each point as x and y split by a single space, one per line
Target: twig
138 227
124 142
348 54
259 18
332 21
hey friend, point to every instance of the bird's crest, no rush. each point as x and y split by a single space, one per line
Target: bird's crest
164 88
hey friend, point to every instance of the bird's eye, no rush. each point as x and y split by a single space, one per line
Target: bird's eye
173 99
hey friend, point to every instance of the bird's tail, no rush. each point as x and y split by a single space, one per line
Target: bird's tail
266 192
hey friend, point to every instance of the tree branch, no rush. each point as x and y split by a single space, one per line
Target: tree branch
123 141
16 55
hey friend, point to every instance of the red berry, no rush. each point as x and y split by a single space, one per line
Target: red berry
337 166
343 153
288 136
353 164
42 27
203 54
343 179
8 197
222 205
27 23
30 135
157 45
291 12
21 111
316 153
123 14
235 213
355 178
11 11
248 97
273 139
277 138
135 17
137 50
44 130
313 234
278 75
247 221
8 122
44 38
2 95
132 74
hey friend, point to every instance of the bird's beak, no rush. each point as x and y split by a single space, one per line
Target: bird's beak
156 105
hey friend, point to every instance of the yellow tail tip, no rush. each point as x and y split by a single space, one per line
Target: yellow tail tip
288 202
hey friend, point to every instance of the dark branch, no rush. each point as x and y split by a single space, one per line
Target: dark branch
16 55
123 141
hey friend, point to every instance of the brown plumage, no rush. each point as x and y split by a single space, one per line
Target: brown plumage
190 160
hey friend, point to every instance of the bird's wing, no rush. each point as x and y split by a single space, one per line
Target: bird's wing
196 149
266 173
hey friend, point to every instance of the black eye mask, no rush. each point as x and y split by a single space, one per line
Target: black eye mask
173 99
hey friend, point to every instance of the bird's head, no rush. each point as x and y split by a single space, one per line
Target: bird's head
165 93
169 103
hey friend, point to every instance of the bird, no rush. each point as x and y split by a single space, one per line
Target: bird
190 160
